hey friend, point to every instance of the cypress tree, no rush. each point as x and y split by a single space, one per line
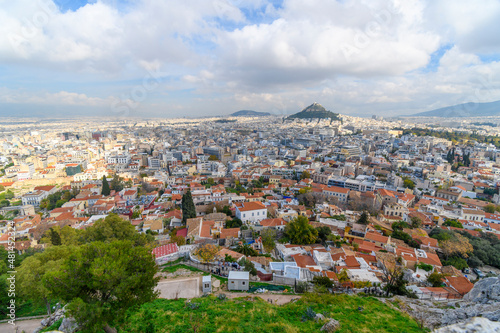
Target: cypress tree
188 208
105 186
55 238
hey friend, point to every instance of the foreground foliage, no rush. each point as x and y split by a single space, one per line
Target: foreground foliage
212 314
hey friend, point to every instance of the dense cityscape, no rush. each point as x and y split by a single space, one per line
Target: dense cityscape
242 166
266 204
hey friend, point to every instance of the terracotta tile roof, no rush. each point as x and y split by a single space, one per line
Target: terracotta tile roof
222 254
351 262
206 227
229 233
432 259
375 236
164 250
249 206
303 260
273 222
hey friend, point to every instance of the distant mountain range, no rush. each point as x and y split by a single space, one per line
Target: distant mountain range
249 113
315 110
463 110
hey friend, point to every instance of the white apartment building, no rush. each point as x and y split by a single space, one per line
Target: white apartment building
251 212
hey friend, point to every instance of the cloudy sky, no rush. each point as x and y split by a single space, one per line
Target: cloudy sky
151 58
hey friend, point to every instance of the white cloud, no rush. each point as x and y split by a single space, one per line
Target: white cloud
352 56
58 98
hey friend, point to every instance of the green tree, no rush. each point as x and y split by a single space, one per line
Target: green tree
100 281
416 222
436 279
408 183
343 276
248 266
457 262
55 238
116 183
4 203
300 232
363 219
323 281
453 223
268 239
490 208
105 187
33 270
9 195
228 258
323 233
305 175
247 250
188 208
115 228
234 223
226 210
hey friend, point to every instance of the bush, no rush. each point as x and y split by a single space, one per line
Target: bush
424 266
301 287
457 262
310 314
322 281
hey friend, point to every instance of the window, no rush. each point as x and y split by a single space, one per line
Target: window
253 214
243 283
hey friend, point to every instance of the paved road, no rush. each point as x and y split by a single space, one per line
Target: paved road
179 288
23 325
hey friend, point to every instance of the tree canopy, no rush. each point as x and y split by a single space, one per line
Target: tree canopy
299 231
99 281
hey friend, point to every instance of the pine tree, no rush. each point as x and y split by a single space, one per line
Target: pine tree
105 186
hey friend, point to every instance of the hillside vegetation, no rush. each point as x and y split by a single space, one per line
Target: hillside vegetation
249 314
313 111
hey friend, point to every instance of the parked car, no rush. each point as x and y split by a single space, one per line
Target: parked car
466 270
478 273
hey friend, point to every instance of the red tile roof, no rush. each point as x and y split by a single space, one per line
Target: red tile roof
164 250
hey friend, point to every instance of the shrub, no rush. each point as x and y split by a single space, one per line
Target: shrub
424 266
310 314
301 287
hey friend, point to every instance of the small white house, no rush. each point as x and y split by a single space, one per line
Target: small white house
238 281
207 283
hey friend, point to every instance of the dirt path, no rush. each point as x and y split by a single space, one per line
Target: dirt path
274 298
23 325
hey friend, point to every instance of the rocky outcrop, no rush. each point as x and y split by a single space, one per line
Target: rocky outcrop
68 325
474 325
485 291
331 326
482 301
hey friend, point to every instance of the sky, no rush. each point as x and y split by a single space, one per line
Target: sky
196 58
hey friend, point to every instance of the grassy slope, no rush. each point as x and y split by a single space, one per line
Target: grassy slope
255 315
